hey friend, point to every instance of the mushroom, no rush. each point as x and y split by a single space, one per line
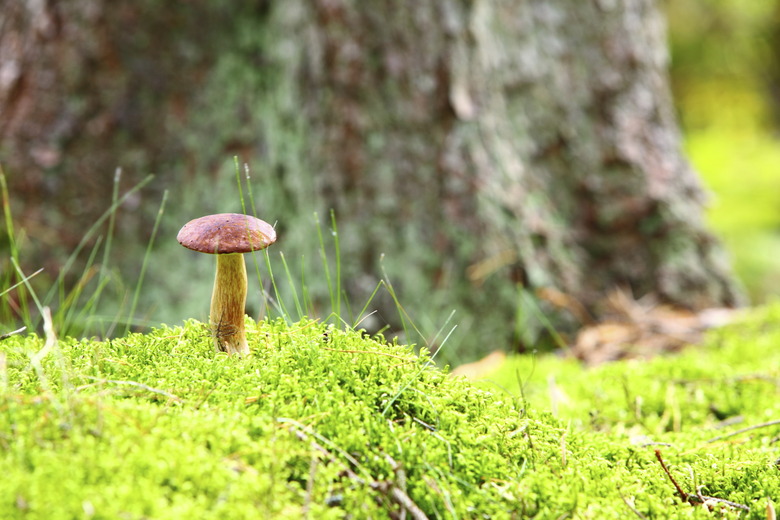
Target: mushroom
228 235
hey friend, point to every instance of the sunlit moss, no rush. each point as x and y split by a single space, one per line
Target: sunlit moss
316 420
329 423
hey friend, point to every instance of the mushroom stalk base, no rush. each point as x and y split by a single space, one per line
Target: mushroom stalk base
227 305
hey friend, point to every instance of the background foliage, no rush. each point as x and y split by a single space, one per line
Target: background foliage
725 63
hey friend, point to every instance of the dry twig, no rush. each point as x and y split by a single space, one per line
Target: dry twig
13 332
631 507
389 489
697 499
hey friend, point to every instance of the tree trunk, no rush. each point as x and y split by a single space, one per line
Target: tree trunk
475 152
487 145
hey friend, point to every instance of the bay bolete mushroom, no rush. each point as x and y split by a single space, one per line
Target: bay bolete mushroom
228 235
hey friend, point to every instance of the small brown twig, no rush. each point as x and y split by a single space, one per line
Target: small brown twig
400 497
697 499
389 489
631 506
683 494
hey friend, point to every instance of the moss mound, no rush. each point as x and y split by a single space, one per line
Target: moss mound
326 423
317 421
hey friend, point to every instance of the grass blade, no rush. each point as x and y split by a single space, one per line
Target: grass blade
294 290
145 261
24 311
66 312
26 281
238 182
337 249
21 282
60 283
325 264
103 277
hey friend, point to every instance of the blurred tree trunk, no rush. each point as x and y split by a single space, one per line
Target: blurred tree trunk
490 143
486 148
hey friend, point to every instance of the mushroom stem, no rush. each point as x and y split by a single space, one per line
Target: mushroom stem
227 305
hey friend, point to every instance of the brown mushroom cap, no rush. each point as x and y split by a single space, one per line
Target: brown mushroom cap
226 233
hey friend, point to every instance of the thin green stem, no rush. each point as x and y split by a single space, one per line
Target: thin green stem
67 311
95 300
21 282
238 182
145 261
279 302
25 280
325 264
296 300
249 190
337 249
254 213
9 228
60 285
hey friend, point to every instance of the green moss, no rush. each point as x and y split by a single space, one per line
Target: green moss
329 423
680 404
159 426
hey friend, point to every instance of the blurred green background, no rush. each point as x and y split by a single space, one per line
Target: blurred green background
724 72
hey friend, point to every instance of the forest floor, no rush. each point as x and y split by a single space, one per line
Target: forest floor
326 423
